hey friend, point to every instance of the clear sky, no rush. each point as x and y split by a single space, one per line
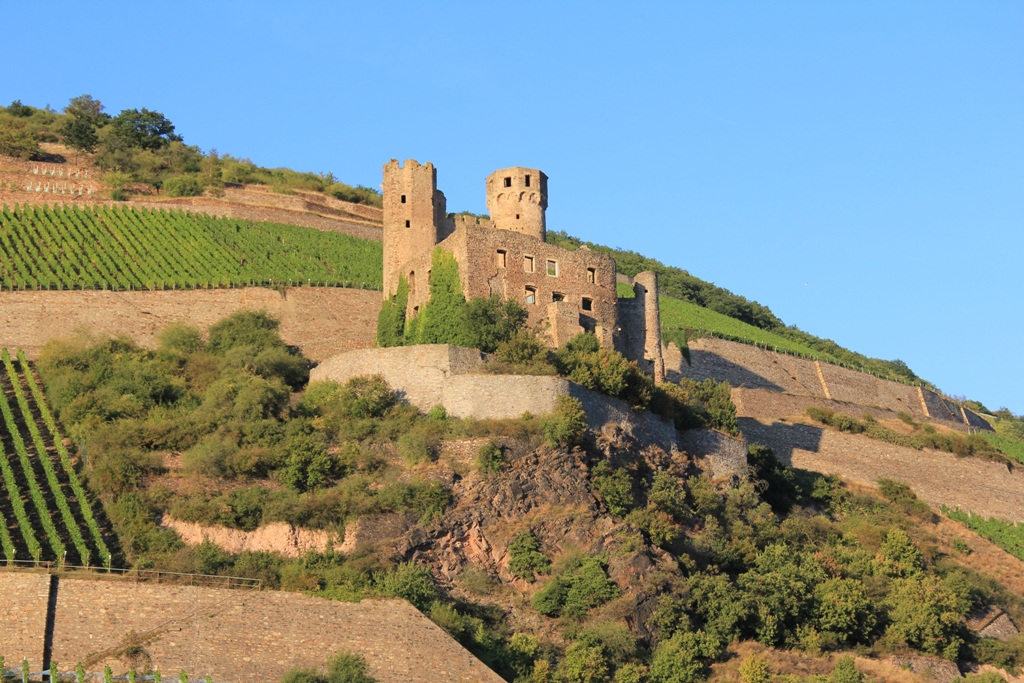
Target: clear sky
858 167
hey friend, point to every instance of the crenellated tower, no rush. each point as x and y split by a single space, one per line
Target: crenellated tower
517 198
415 214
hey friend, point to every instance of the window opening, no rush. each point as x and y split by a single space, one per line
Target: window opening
508 182
501 258
588 304
408 224
531 295
557 296
591 275
552 268
527 181
403 199
528 264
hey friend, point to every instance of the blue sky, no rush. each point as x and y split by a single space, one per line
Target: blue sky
857 167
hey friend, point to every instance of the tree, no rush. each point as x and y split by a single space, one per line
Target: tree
492 322
80 135
86 108
144 128
20 110
16 141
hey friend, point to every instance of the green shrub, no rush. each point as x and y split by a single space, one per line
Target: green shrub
683 658
604 370
904 498
391 319
567 424
583 663
755 669
442 320
577 590
346 667
418 445
187 185
490 458
524 557
845 671
410 582
615 485
492 322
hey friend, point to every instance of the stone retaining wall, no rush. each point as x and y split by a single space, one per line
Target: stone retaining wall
983 487
232 635
428 375
750 367
322 321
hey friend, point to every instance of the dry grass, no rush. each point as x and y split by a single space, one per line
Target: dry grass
786 662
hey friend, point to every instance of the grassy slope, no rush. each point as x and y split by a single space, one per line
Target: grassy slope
678 317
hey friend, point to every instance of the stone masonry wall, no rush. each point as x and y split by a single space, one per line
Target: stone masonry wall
232 635
761 403
750 367
23 618
437 374
320 321
983 487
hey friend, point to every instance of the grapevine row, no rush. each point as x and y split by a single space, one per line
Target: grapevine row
51 475
24 524
65 458
122 249
56 545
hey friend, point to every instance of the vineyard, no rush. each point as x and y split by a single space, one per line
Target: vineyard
45 513
1009 537
126 249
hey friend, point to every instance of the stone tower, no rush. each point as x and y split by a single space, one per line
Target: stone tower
517 198
414 215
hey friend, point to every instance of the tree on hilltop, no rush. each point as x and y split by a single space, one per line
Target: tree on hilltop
87 108
143 128
80 135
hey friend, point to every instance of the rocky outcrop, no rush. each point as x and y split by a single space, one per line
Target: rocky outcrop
276 537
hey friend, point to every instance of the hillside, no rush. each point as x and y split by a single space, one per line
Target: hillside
123 249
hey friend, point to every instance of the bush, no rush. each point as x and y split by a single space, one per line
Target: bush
845 671
683 658
691 404
418 445
187 185
492 322
605 370
391 319
489 457
567 425
346 667
615 487
576 591
443 319
524 557
583 663
754 669
410 582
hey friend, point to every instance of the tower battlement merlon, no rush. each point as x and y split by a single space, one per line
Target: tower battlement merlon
517 198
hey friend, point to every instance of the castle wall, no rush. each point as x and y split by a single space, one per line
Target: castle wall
980 486
639 326
438 374
232 635
322 322
750 367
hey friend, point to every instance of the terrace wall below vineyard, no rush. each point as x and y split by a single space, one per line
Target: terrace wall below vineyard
321 321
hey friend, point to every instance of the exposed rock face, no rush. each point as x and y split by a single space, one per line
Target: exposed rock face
934 668
276 537
992 622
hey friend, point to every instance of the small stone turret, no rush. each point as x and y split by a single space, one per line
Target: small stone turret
414 215
517 198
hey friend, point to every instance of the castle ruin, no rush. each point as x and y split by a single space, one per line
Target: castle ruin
565 292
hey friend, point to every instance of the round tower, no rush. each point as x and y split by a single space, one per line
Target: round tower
517 198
